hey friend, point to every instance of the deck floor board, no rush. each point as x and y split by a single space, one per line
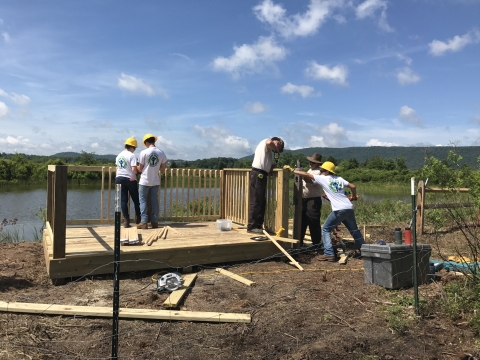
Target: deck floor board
89 250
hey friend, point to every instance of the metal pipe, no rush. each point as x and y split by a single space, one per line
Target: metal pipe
116 273
414 242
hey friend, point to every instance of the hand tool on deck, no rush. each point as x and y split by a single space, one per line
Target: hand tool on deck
294 262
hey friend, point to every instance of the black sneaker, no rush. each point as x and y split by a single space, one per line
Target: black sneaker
255 231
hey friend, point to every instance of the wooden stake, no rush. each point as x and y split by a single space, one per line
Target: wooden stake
176 296
164 233
235 277
283 250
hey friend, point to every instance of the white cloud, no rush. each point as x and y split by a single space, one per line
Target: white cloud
299 24
135 85
20 99
402 57
183 56
368 9
6 37
3 93
335 75
376 142
476 119
220 141
94 145
10 140
406 76
407 114
255 107
303 90
251 58
3 109
332 135
438 48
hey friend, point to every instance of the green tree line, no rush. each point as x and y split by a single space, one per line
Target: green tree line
21 168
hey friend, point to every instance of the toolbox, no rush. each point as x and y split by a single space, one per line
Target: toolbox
391 265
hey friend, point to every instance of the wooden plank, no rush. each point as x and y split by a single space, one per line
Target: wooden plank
283 250
444 190
90 222
176 296
235 277
59 211
124 313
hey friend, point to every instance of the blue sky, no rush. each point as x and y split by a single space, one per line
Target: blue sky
213 78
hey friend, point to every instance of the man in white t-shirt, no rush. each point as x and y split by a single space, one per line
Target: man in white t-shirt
151 162
127 177
342 207
262 165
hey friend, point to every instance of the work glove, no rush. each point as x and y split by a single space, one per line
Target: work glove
288 167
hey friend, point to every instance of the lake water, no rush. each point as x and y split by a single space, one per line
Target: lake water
83 202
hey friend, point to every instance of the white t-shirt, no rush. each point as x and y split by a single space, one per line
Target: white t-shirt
151 158
263 157
312 189
334 188
124 161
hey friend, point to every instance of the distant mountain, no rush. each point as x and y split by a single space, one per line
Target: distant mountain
73 155
414 156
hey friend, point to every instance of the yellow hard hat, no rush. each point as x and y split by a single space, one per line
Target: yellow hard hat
329 166
148 136
131 142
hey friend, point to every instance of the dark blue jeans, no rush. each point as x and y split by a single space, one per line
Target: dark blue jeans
129 188
347 217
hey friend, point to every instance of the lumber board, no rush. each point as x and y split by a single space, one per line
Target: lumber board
283 250
176 296
236 277
124 313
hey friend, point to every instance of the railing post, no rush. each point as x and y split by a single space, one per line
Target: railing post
60 211
282 192
420 207
297 204
50 194
222 194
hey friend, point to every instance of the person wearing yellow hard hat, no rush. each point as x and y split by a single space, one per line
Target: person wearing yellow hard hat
342 207
127 177
150 163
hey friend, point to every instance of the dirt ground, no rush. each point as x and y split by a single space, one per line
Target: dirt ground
325 312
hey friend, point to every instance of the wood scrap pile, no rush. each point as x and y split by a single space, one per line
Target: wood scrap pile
129 236
160 233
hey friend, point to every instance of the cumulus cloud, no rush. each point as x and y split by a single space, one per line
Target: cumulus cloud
335 75
332 135
255 107
457 43
221 141
94 145
376 142
6 37
251 58
299 24
11 140
406 76
407 114
3 109
137 85
368 9
20 99
303 90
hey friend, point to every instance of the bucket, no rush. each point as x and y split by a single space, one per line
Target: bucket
398 236
407 236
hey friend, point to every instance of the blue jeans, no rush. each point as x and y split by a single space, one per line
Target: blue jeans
347 217
144 192
129 188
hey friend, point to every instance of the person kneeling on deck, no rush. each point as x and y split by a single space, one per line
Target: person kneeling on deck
262 165
127 177
342 207
151 161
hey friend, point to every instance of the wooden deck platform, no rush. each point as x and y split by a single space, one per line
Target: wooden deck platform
89 250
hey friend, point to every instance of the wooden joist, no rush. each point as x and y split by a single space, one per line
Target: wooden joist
176 296
147 314
235 277
293 261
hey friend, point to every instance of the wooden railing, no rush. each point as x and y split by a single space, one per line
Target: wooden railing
184 195
421 206
235 195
